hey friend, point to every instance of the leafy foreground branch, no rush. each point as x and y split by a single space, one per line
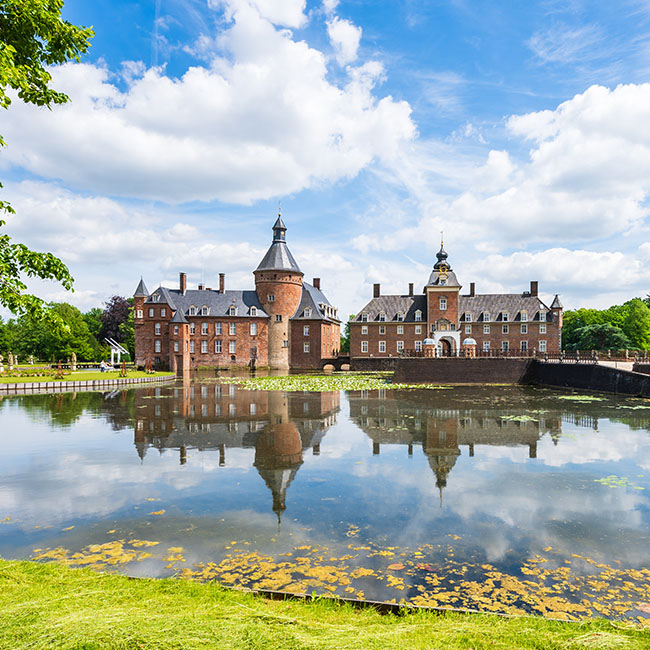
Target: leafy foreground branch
46 606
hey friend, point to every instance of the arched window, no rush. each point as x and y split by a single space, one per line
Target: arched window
205 311
308 312
192 311
253 311
418 315
232 311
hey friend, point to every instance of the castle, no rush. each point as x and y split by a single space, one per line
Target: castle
442 321
284 323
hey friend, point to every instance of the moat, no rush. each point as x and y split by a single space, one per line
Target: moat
507 499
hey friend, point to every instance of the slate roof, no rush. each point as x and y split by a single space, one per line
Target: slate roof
279 257
392 305
218 303
557 303
450 279
141 291
496 303
313 298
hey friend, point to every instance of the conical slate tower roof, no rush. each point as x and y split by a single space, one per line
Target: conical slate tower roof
279 257
141 291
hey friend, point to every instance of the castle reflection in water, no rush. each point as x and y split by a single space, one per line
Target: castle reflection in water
281 426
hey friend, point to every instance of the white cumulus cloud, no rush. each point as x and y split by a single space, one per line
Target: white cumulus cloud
345 38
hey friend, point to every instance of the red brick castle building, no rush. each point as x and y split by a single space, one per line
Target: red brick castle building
283 323
450 324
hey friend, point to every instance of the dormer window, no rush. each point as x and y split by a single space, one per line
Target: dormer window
205 311
253 311
505 316
232 310
468 317
486 316
524 316
400 315
308 312
418 315
156 297
382 317
364 318
192 311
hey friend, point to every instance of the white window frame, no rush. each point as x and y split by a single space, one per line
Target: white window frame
505 329
192 328
468 317
139 313
400 346
542 328
205 328
382 329
151 312
232 310
418 346
486 346
400 329
524 316
253 329
191 347
232 347
305 348
468 329
486 316
232 329
364 330
271 297
157 346
218 347
524 328
524 346
486 329
364 318
443 304
418 329
418 315
218 329
205 310
382 347
505 316
204 347
163 313
542 346
382 317
400 315
175 346
505 346
156 328
192 310
364 347
305 330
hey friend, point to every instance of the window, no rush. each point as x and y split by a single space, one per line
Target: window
382 329
232 409
524 346
157 328
150 312
217 347
192 328
468 329
305 347
504 316
486 316
418 315
278 318
418 346
232 347
505 346
542 346
443 281
253 329
524 316
192 311
468 317
364 330
139 313
418 329
252 409
204 329
382 317
443 304
204 347
285 344
191 347
452 327
400 346
542 328
156 346
364 346
400 329
308 312
253 313
271 298
505 329
486 329
163 312
382 346
305 330
175 346
217 329
205 311
486 346
524 329
232 310
364 318
176 330
232 329
400 315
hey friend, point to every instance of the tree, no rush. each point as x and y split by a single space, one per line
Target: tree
127 331
602 336
32 36
636 323
345 339
115 314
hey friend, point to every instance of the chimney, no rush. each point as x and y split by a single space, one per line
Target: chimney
222 283
201 287
410 288
534 287
183 283
316 283
472 289
375 290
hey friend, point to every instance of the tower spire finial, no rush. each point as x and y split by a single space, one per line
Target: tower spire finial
442 239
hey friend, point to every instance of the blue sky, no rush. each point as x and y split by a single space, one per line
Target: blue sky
520 129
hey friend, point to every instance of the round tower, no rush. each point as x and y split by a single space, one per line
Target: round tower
278 282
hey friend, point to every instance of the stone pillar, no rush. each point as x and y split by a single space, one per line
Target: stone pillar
74 362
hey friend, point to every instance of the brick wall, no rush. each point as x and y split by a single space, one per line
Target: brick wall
300 358
390 336
461 371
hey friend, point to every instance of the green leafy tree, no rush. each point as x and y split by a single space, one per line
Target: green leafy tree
33 36
636 323
127 331
601 336
345 339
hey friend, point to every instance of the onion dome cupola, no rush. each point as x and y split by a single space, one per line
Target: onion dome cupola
442 274
279 257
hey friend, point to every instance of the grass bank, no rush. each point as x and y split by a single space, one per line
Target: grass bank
90 375
49 606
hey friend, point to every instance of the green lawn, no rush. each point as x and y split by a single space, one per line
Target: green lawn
82 375
49 606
